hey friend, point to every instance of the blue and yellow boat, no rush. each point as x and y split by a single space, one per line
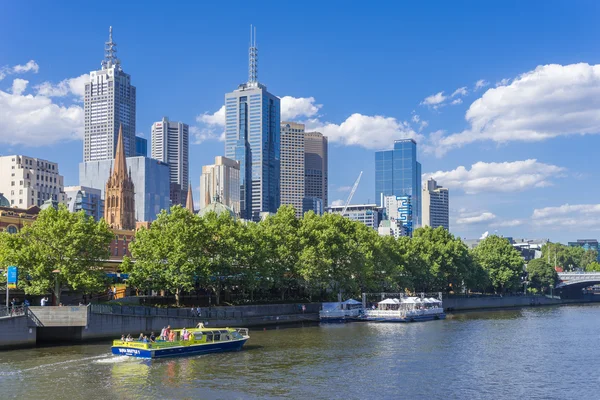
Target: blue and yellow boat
201 341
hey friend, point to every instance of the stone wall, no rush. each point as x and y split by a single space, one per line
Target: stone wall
59 316
15 332
488 302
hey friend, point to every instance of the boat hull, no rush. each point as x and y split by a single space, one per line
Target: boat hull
178 351
416 318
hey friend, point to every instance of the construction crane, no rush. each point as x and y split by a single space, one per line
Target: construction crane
351 193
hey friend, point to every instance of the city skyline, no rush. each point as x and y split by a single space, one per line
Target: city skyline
512 176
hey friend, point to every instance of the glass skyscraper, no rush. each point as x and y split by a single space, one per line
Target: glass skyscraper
397 173
252 137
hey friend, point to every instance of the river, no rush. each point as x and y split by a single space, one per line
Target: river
532 353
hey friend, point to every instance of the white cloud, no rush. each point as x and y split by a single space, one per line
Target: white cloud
30 66
71 86
337 203
475 218
481 84
456 101
461 91
294 107
344 188
568 216
34 120
415 118
503 82
498 177
508 223
550 101
434 99
19 86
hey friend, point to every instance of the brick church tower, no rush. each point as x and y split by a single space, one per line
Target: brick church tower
119 203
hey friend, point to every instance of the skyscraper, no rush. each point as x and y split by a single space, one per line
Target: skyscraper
397 173
252 137
436 205
170 144
292 166
108 104
315 169
221 181
141 147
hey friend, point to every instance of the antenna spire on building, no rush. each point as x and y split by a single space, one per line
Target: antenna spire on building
253 57
110 52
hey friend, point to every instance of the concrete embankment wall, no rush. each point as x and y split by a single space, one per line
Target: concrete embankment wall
15 332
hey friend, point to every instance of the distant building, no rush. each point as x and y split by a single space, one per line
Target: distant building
87 199
150 180
368 214
292 166
314 204
252 137
221 181
586 244
397 173
29 181
436 208
109 103
398 209
13 219
170 144
141 147
315 167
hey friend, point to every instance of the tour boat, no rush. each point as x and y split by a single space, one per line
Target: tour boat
201 341
345 311
406 309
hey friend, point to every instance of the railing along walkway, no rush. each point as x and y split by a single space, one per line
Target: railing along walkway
13 311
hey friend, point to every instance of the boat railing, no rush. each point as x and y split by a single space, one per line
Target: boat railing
339 313
426 311
385 313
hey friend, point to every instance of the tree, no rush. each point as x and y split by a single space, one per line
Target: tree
541 275
501 261
588 258
593 267
170 255
60 249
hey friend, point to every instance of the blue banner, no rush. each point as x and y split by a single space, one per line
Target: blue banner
12 277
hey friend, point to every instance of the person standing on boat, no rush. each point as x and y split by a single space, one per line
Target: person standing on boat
163 334
152 337
171 336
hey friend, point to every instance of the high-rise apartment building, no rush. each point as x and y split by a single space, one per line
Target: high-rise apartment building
170 144
252 137
315 169
87 199
28 181
368 214
221 181
397 173
436 208
292 166
109 102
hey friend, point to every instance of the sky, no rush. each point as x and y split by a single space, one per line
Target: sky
502 97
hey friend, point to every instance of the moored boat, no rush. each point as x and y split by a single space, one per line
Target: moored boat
200 340
406 309
345 311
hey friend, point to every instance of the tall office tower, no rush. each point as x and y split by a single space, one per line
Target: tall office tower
170 144
292 166
221 181
315 169
397 173
119 209
87 199
141 147
436 208
252 137
28 181
108 104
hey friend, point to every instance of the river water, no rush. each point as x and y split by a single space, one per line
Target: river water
533 353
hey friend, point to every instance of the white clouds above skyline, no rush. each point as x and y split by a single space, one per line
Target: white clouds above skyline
498 177
66 87
466 218
30 66
434 99
481 84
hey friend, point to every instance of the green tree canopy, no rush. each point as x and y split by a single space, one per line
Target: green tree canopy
501 261
541 275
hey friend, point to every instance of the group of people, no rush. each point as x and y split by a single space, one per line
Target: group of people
141 338
111 293
166 334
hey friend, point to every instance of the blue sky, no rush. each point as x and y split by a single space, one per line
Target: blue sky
510 149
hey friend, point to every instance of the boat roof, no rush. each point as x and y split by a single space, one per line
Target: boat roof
352 301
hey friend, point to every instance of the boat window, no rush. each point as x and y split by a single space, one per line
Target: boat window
197 335
236 335
217 337
209 337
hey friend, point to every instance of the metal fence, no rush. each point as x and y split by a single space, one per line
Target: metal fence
13 311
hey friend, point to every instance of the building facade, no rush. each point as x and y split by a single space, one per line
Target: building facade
87 199
109 102
399 211
170 144
150 179
397 173
141 147
436 205
252 137
314 204
315 167
221 181
587 244
292 166
368 214
28 181
13 219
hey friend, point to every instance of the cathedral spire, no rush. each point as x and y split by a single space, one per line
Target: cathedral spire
189 204
120 163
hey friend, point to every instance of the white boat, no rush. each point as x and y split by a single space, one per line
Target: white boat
406 309
344 311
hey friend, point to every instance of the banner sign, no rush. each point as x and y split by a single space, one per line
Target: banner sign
12 277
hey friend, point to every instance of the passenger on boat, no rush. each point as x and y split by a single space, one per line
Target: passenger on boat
145 339
141 337
163 335
129 338
171 336
122 338
152 337
186 334
200 325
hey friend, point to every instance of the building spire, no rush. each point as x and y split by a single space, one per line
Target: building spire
120 163
253 57
189 204
110 53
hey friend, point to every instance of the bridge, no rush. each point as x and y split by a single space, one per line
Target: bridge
577 280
